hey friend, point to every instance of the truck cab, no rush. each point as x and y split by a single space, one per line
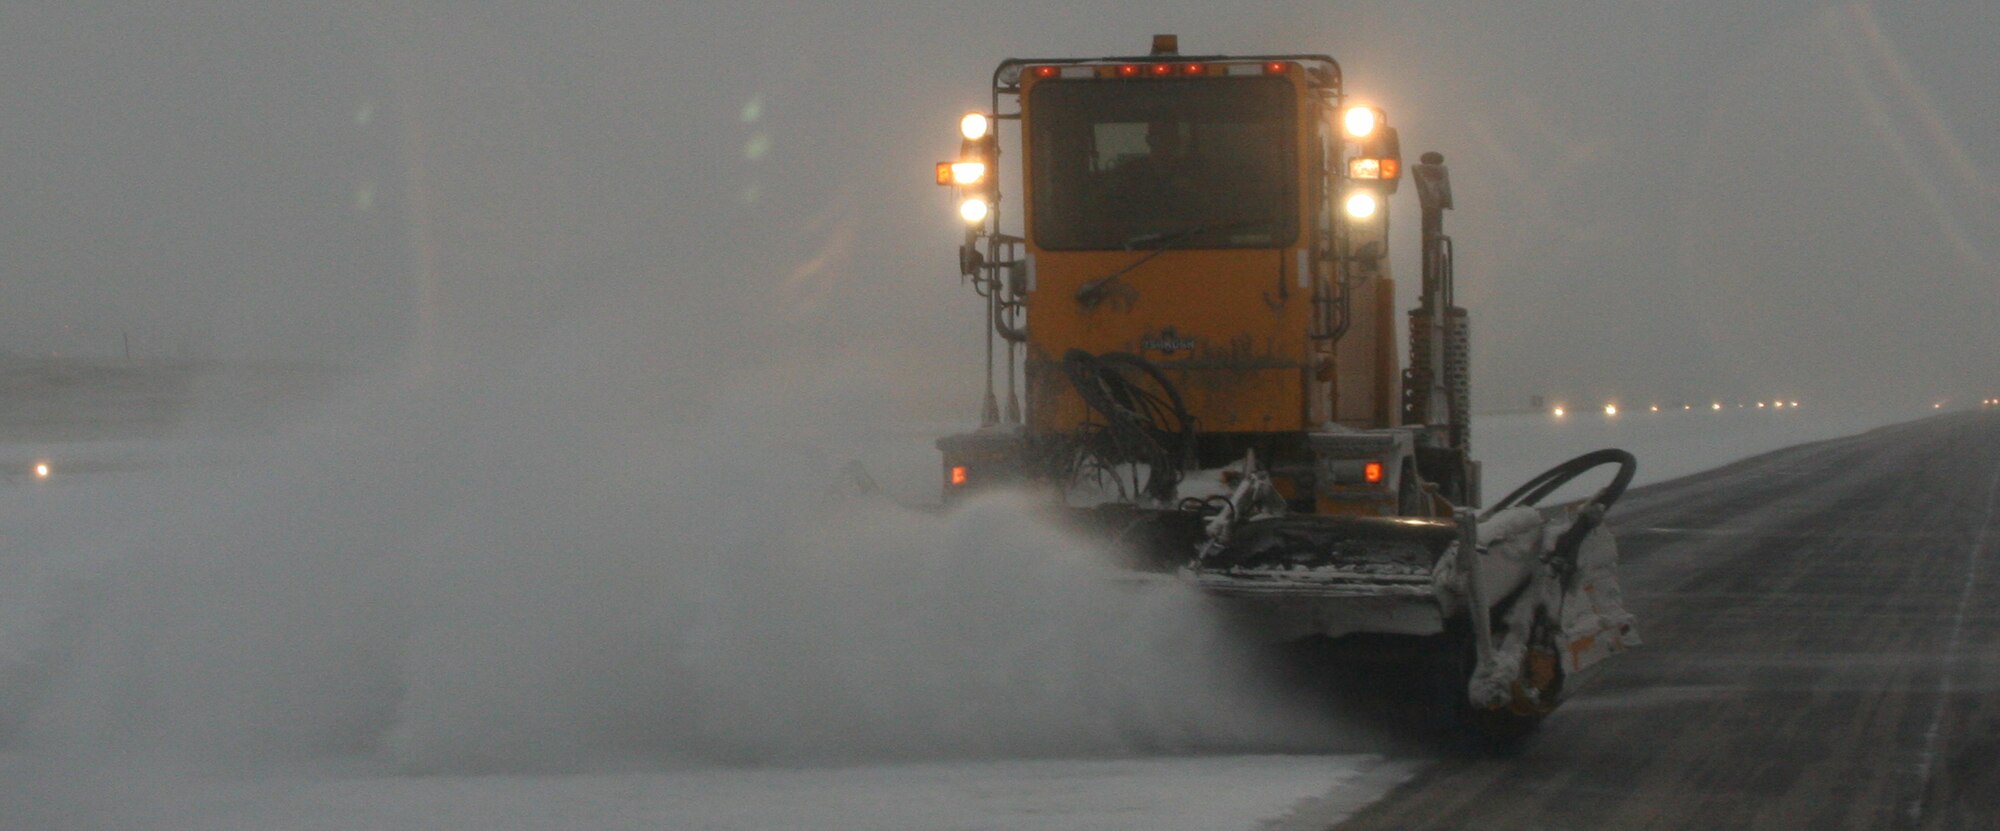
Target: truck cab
1198 272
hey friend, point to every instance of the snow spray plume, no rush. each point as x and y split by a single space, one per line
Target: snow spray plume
517 571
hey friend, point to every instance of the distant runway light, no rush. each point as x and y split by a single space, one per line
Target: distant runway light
1559 412
1656 408
42 470
1716 406
1611 409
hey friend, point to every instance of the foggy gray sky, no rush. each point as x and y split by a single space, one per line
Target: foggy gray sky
1654 201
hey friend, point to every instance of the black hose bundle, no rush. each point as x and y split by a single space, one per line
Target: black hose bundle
1563 554
1560 475
1150 427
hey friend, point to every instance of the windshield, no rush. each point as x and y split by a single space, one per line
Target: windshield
1193 163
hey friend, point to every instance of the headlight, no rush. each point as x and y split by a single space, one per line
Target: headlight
967 173
1362 205
1360 121
974 126
973 210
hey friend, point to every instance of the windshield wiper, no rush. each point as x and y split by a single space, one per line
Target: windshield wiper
1154 243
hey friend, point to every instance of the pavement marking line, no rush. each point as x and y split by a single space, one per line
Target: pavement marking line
1919 782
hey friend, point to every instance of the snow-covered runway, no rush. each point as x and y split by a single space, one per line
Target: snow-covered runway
1279 793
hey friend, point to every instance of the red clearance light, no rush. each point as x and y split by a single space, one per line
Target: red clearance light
958 476
1275 68
1128 71
1045 72
1372 472
1193 69
1162 70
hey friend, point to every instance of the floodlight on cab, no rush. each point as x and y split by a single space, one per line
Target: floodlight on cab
1360 122
1362 205
974 126
974 210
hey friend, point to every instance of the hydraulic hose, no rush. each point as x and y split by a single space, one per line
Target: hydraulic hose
1535 489
1141 427
1563 554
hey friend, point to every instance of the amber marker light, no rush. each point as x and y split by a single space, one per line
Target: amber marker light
1372 472
959 476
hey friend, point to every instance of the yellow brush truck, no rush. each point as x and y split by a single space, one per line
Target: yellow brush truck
1192 318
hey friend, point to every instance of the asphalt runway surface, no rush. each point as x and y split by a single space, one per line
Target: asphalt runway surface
1822 628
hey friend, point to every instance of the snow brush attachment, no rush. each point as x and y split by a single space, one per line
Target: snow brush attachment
1536 641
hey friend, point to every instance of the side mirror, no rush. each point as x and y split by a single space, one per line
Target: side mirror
970 261
1433 182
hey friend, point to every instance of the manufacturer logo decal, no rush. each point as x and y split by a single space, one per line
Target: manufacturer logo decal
1167 341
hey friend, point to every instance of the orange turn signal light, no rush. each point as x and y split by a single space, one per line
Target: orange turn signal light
959 476
1372 472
